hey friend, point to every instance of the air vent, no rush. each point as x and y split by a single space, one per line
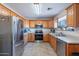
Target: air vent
49 8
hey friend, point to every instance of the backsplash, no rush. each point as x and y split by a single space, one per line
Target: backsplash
44 30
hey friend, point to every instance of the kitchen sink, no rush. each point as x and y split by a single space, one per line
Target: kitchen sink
60 34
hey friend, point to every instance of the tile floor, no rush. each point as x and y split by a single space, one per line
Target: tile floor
38 49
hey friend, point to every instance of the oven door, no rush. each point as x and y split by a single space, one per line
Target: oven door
38 36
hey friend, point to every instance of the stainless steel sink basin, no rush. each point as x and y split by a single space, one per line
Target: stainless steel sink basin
60 34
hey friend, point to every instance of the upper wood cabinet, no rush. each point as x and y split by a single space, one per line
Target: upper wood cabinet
7 12
26 23
38 22
4 11
32 23
53 42
70 16
13 14
73 15
51 24
45 23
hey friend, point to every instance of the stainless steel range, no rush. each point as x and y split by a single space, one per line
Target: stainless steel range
38 35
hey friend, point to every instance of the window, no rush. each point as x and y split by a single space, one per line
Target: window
62 22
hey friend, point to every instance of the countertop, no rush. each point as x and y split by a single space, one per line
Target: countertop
34 33
68 38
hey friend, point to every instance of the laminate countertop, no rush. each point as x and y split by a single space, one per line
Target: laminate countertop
70 37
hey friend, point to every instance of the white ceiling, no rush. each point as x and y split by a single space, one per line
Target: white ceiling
28 11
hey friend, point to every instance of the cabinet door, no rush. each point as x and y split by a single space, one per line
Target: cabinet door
72 48
32 24
4 11
70 17
31 37
26 23
37 21
51 23
45 24
45 38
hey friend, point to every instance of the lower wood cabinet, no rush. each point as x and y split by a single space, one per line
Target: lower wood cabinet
45 37
31 37
63 48
52 42
67 49
72 49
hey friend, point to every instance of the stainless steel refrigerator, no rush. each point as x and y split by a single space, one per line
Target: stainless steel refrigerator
8 35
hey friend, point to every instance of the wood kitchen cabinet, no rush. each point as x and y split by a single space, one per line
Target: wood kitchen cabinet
4 11
45 37
26 23
31 37
73 15
45 24
51 24
70 16
52 42
63 48
38 22
32 24
7 12
72 48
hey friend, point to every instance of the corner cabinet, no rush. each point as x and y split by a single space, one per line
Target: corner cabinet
73 15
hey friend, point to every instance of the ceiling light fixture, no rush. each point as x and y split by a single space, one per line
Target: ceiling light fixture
36 7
